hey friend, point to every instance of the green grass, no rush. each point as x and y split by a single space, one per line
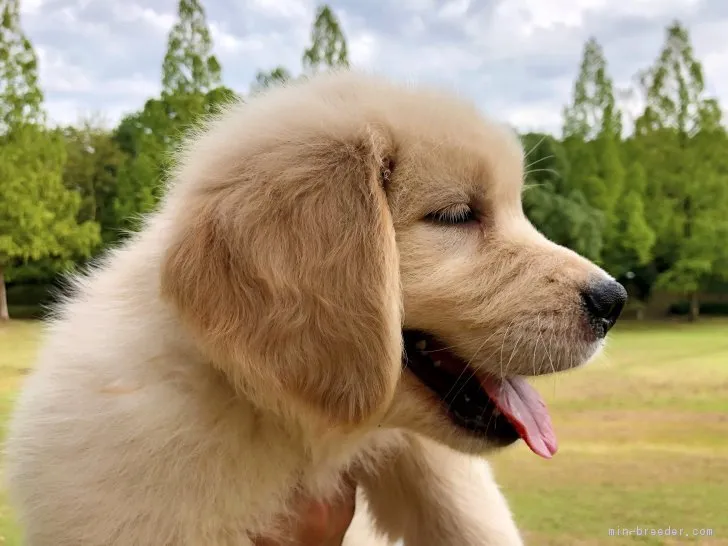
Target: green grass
643 438
18 345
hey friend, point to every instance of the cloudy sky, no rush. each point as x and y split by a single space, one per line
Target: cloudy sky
516 58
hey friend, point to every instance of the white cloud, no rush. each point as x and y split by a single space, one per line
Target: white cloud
226 42
63 77
30 7
419 5
414 26
58 76
526 16
161 22
454 9
69 112
516 58
363 49
286 9
536 117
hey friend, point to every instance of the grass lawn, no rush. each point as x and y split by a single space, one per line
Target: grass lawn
643 439
643 443
18 343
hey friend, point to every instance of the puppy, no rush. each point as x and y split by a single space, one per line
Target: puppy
339 279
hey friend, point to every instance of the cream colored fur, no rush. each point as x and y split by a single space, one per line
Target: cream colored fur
247 343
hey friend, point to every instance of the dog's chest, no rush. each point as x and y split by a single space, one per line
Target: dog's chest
353 456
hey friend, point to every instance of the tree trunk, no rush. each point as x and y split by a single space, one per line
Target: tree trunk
4 315
694 307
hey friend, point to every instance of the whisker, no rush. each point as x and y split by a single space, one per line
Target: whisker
538 161
534 147
472 370
552 171
513 353
448 348
535 345
505 337
548 351
531 185
551 361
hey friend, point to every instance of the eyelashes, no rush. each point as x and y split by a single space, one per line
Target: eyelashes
455 215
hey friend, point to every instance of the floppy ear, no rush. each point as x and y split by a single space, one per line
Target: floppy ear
286 270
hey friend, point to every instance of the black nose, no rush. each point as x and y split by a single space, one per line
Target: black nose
604 300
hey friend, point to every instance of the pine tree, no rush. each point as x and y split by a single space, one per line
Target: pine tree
592 132
189 66
328 47
191 89
593 135
328 50
637 238
673 88
593 111
681 140
265 80
20 95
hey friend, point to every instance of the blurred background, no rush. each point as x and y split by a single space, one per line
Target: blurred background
620 108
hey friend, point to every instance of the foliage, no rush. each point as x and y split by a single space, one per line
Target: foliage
264 80
189 66
39 216
559 211
327 50
328 44
191 90
20 96
647 202
680 138
93 161
593 112
147 138
593 137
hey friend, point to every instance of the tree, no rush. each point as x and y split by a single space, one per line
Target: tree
92 166
592 132
147 139
328 44
328 50
680 138
189 66
593 112
265 80
191 90
38 215
20 96
553 204
633 248
673 89
593 137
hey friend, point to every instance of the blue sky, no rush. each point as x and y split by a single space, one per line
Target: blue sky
516 58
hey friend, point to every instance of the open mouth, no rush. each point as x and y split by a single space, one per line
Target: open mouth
501 410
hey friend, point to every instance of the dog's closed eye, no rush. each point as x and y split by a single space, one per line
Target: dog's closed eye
454 215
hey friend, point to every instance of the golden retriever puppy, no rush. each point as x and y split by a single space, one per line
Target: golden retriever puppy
340 279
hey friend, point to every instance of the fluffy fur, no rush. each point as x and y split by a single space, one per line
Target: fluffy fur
246 344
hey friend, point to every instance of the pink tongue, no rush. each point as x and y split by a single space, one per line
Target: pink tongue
526 411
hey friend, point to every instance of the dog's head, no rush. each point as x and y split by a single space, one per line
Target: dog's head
328 235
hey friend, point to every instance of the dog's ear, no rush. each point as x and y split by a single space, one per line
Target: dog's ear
287 273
